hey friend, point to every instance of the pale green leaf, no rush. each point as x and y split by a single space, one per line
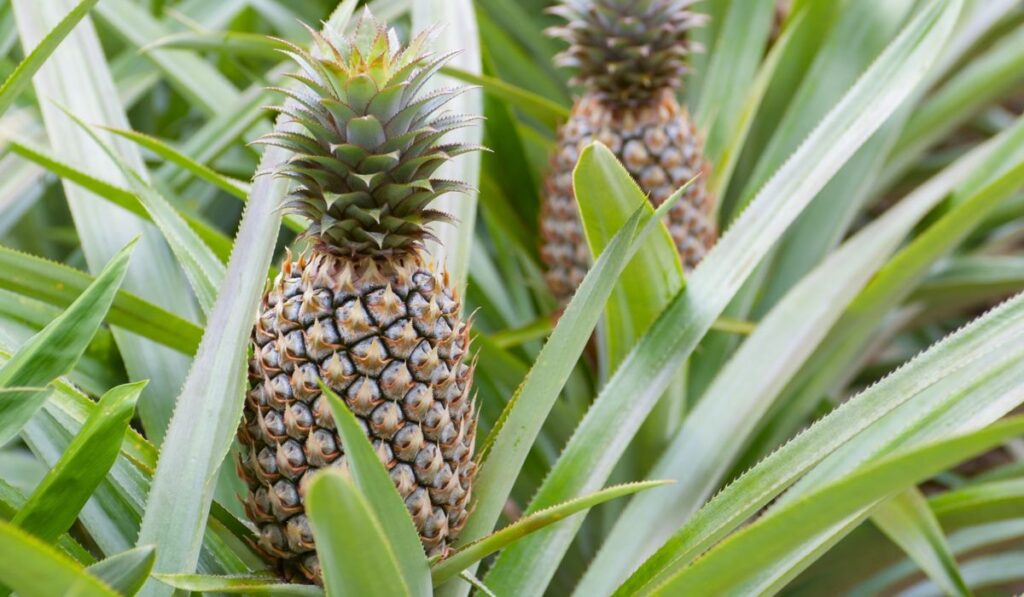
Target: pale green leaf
21 78
745 555
125 572
202 268
629 395
910 523
465 556
241 585
58 285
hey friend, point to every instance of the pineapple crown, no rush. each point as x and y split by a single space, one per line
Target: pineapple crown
370 139
626 51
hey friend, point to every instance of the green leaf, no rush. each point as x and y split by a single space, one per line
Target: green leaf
231 43
630 394
11 499
738 52
54 505
241 585
127 571
750 552
546 111
22 75
513 434
204 270
454 242
218 242
976 504
34 569
910 523
196 79
979 196
984 80
607 195
970 355
755 377
210 403
464 557
59 284
78 77
356 555
201 171
376 485
55 350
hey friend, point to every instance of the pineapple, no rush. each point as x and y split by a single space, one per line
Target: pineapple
364 311
629 56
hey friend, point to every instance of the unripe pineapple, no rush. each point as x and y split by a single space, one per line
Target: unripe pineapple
629 56
365 312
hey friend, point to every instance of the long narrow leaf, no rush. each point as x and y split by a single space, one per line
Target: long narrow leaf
35 569
22 75
478 550
910 523
373 481
54 505
204 271
55 350
127 571
59 285
974 351
746 554
628 397
357 557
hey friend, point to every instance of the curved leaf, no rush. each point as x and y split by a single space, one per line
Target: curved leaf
58 284
241 585
465 556
747 554
127 571
356 555
54 505
373 481
22 75
55 350
35 569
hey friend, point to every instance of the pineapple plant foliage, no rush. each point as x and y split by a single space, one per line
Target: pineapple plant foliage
856 332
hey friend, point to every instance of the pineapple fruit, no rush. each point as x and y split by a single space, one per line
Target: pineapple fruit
629 56
364 311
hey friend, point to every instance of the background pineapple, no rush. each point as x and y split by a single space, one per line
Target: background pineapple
630 59
365 312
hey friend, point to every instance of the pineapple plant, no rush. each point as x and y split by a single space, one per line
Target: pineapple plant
365 311
175 419
630 58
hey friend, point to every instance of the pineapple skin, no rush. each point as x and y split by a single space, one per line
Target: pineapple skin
660 147
384 333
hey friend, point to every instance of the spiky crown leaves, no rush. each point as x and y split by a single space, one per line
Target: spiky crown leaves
371 139
626 51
